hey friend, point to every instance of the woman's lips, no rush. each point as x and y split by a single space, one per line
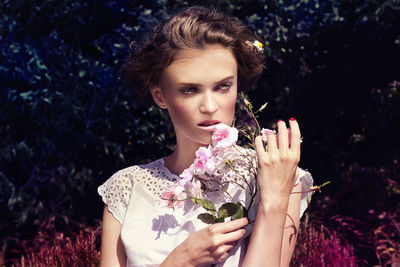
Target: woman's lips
208 125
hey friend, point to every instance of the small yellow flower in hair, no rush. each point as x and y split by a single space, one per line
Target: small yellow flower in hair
258 45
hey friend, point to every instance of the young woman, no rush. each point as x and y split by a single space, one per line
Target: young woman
193 66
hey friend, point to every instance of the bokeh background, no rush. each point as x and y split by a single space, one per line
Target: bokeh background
67 123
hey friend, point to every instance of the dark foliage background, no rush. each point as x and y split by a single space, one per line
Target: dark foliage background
67 123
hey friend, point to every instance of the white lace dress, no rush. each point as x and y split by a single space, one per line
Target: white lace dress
150 230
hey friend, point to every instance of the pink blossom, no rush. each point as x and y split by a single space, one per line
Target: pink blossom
266 132
224 136
174 195
195 189
200 163
218 161
186 175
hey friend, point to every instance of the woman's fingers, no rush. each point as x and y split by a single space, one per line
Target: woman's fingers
232 236
226 227
227 232
283 139
212 244
222 252
295 135
259 145
272 146
226 247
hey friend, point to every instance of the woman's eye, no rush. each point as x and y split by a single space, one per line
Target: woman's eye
224 86
189 91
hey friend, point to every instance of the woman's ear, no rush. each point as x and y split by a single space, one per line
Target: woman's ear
158 96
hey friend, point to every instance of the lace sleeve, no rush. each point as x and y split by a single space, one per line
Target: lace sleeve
307 183
116 192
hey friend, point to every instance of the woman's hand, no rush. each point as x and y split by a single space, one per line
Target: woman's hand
270 243
277 167
209 245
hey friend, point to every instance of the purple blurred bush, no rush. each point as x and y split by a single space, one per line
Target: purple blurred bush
319 246
53 248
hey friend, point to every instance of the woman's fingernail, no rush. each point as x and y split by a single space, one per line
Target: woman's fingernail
280 120
292 119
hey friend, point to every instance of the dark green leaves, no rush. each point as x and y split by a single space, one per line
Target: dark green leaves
206 218
205 203
240 213
229 209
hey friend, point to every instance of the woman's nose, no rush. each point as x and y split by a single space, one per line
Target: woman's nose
208 103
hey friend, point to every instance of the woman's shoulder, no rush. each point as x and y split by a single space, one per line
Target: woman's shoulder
116 191
149 174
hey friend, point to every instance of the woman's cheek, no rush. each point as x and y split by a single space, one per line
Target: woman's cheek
231 105
185 106
181 110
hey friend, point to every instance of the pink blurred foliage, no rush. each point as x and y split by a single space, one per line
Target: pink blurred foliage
53 248
66 252
319 246
386 239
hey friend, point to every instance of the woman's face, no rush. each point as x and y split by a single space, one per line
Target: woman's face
199 90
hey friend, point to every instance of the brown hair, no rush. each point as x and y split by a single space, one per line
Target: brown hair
194 27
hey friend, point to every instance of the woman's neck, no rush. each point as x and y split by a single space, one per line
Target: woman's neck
181 158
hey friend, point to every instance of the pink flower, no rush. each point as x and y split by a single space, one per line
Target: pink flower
195 189
266 132
218 161
203 154
224 136
174 195
186 175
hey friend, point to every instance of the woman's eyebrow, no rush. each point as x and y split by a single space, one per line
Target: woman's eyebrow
187 83
225 79
198 84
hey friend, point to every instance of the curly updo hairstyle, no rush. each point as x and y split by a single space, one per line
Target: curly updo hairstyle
192 28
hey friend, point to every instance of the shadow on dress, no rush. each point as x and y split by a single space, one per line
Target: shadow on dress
168 225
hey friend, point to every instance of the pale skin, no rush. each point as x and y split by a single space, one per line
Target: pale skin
201 84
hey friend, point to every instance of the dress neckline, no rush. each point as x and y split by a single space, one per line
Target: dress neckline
168 172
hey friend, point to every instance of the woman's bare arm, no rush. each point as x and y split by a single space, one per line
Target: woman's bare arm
277 172
112 252
291 226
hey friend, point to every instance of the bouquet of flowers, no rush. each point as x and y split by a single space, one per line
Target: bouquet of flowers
213 169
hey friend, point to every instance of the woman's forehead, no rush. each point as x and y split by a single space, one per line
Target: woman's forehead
189 54
197 64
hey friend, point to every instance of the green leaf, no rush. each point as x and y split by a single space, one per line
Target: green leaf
227 210
40 65
47 100
207 204
206 218
26 95
240 213
262 107
219 220
309 198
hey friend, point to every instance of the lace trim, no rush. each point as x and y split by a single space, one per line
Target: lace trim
117 190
